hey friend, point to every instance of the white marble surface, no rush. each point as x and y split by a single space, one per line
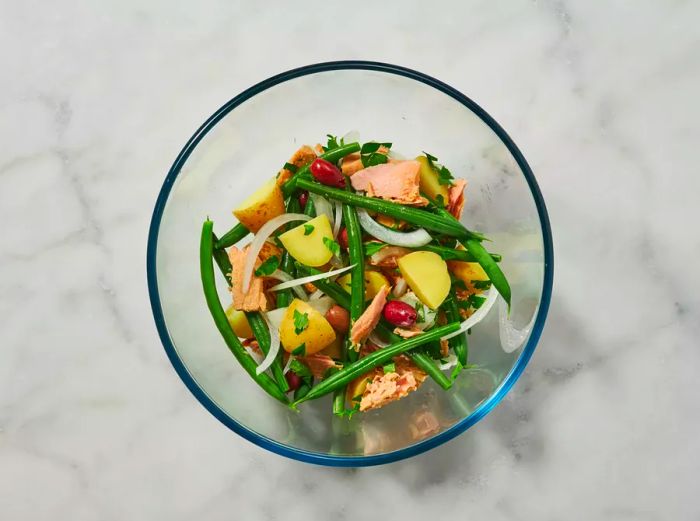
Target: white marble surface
95 103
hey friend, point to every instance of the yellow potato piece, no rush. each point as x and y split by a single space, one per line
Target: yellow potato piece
316 335
468 272
357 387
373 283
309 249
262 205
239 322
426 274
429 183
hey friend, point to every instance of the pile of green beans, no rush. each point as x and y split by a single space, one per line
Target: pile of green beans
457 343
380 357
206 264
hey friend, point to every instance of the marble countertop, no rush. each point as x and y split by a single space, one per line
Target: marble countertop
96 101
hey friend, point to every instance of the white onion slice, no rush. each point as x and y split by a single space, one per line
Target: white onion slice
275 317
274 346
450 362
414 239
400 287
291 358
388 251
260 238
337 218
322 305
374 338
351 136
478 315
316 295
322 206
286 277
512 338
310 278
253 354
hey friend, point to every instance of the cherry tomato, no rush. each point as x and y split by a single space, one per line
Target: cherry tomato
303 197
327 173
399 314
343 238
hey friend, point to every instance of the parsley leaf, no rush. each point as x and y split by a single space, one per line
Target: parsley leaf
431 158
373 247
420 312
301 322
440 201
370 155
476 301
332 246
481 284
308 228
333 142
300 351
292 168
444 175
390 368
268 267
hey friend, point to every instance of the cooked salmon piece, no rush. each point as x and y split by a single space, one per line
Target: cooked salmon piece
392 386
318 149
318 364
407 333
456 198
396 181
364 325
300 159
269 250
254 300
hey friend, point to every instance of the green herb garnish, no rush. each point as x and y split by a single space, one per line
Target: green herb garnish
420 312
300 351
300 369
308 228
370 155
481 284
476 301
268 267
333 143
301 322
332 246
444 175
389 368
373 247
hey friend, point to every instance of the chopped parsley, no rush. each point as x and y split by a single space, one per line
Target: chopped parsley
332 246
481 284
420 312
390 368
268 267
373 247
333 142
301 322
300 350
370 155
476 301
440 201
292 168
308 228
444 175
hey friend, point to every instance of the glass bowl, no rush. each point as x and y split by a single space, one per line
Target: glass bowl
246 142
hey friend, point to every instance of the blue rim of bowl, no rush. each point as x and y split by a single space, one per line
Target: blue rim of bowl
315 457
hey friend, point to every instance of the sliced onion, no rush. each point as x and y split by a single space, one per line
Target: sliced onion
322 206
512 338
274 346
400 287
351 136
253 354
478 315
316 295
275 317
322 305
286 277
260 238
310 278
374 338
386 252
291 358
414 239
337 218
450 362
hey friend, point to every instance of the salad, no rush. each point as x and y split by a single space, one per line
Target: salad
359 281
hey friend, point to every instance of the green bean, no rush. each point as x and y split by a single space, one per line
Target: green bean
422 360
375 359
262 335
333 156
457 343
310 208
331 289
493 270
206 252
454 254
285 296
409 214
222 261
231 237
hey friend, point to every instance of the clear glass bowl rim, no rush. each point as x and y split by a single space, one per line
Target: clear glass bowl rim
315 457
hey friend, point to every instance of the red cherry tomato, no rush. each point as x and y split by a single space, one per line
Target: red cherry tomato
399 314
303 197
293 380
327 173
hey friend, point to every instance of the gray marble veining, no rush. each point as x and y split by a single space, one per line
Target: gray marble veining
96 101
